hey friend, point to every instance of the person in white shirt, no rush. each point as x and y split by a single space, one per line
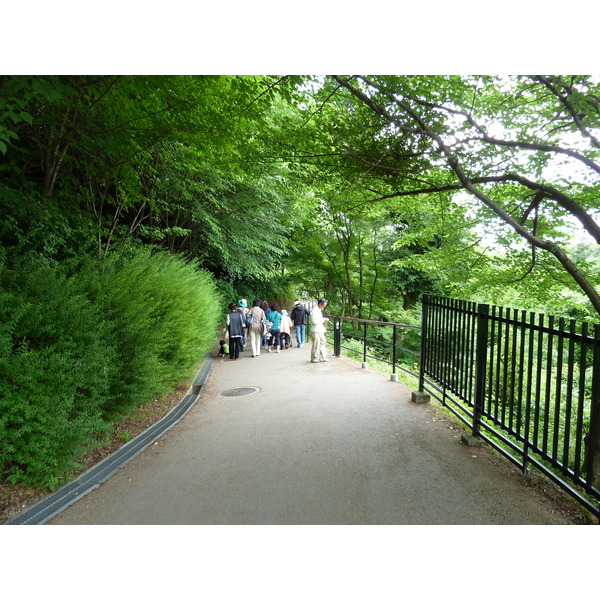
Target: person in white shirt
318 351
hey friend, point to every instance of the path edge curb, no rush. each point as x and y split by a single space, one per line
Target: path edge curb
48 507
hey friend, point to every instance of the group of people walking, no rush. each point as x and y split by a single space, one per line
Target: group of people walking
268 327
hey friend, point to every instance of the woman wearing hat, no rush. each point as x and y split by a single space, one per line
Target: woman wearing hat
243 308
286 330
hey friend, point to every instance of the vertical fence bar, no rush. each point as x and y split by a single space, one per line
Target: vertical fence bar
593 445
443 345
538 382
566 459
458 346
365 343
513 373
522 329
498 365
450 345
448 377
472 346
480 362
490 366
337 336
528 397
466 352
446 345
558 390
394 351
441 362
463 353
579 448
425 335
505 374
431 343
454 329
549 361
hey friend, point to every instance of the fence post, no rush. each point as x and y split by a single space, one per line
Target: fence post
483 311
593 446
364 364
423 348
420 396
337 336
394 357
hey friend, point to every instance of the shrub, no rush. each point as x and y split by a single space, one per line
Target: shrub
53 375
162 313
78 351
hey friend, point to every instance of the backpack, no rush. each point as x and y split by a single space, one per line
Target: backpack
266 326
249 319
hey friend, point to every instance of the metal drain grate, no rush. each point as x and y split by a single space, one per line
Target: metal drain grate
240 391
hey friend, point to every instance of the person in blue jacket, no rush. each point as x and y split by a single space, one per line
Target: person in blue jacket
275 317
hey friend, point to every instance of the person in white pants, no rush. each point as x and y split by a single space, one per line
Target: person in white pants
255 328
318 352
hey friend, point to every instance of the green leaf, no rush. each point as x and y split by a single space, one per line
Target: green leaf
25 116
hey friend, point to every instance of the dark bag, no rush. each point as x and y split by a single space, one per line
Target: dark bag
249 319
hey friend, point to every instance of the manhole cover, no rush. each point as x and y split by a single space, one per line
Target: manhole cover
240 391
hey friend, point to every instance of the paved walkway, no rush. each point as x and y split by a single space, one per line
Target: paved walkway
326 443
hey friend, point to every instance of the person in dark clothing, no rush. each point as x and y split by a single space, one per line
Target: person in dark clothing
243 308
235 325
299 315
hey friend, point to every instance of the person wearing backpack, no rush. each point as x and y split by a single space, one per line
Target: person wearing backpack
275 318
255 327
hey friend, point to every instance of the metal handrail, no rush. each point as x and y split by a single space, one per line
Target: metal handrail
394 346
483 363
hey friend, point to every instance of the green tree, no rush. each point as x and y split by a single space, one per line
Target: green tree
504 142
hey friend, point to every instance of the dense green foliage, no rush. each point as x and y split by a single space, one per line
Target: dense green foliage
55 358
79 350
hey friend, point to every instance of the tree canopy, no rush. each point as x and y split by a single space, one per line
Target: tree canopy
370 189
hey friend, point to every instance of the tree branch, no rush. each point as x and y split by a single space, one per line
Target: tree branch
568 106
515 144
468 184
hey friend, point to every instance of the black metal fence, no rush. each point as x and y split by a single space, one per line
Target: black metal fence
527 384
393 344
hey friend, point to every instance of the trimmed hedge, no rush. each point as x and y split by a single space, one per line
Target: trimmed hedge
78 351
